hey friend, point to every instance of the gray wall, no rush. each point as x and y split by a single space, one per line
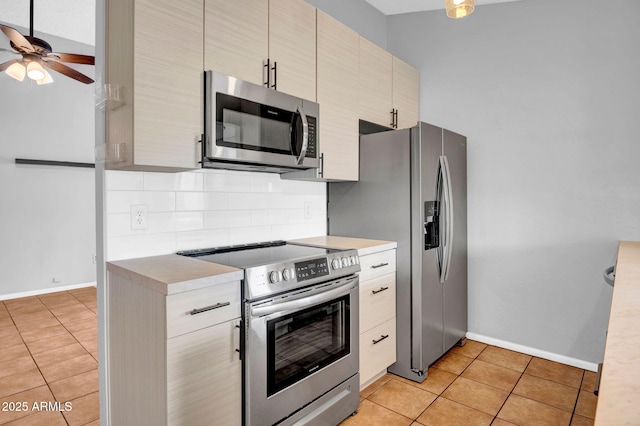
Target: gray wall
359 15
47 214
547 92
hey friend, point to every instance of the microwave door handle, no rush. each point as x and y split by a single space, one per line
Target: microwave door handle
305 134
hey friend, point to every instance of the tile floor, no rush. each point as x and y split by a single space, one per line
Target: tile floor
479 385
49 354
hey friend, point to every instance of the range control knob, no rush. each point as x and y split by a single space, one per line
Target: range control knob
335 263
275 277
345 262
352 260
287 274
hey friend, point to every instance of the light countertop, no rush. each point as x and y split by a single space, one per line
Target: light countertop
172 273
364 246
619 393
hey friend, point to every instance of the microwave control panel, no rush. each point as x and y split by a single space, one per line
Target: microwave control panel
311 148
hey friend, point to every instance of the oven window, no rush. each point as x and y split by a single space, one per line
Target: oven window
306 341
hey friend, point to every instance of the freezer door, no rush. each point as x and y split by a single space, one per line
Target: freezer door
426 286
455 285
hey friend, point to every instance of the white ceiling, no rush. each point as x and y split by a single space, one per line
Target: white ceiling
75 19
70 19
395 7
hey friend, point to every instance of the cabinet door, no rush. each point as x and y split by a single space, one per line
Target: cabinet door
338 96
376 83
236 37
405 93
292 45
204 377
154 53
377 350
167 82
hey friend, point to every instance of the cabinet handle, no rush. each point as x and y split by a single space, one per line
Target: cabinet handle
275 75
379 291
395 119
382 337
208 308
267 67
379 266
393 115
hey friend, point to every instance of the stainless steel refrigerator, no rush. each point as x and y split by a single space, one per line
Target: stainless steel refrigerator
413 190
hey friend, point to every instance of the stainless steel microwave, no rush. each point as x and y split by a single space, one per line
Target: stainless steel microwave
251 127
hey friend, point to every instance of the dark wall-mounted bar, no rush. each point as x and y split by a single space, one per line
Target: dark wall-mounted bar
54 163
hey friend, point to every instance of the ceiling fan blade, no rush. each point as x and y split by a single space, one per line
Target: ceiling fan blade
68 71
72 58
7 64
17 38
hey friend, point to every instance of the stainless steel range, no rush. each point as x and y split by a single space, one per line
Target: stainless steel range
300 325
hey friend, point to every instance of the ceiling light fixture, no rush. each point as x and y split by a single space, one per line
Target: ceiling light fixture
459 8
35 71
17 71
37 55
46 79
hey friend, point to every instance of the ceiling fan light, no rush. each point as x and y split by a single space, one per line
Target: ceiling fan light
46 79
35 71
459 8
17 71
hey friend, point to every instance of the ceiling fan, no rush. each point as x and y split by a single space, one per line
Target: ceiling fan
37 53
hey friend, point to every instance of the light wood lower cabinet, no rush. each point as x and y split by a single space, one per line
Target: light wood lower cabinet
377 351
172 358
377 314
204 377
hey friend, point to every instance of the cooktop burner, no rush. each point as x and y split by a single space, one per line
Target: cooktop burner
258 254
276 266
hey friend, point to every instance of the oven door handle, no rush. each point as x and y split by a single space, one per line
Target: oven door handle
303 302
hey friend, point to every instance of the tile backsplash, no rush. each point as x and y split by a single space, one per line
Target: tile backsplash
208 208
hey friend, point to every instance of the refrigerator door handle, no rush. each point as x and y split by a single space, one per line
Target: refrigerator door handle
443 193
450 218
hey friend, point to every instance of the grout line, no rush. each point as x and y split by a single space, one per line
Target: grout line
522 373
47 383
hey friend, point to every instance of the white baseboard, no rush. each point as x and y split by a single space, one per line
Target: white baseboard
45 291
585 365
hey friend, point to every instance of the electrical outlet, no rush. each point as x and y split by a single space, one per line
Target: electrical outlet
94 258
307 210
139 217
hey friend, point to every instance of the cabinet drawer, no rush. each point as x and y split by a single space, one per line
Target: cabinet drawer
193 310
377 264
376 357
377 301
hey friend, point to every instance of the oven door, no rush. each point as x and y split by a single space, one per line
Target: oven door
298 347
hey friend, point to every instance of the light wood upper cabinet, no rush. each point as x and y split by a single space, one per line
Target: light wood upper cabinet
155 54
387 86
241 35
376 83
236 38
405 93
337 83
292 46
